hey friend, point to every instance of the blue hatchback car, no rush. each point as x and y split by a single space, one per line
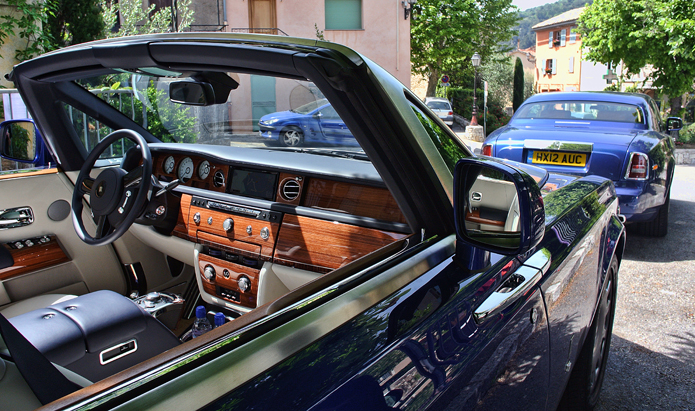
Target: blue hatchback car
315 122
615 135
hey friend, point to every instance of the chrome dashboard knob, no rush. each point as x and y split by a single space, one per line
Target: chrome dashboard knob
228 225
244 283
209 273
196 218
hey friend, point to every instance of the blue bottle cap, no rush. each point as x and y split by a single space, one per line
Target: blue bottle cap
219 319
200 311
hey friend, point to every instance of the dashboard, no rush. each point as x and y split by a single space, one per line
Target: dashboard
266 227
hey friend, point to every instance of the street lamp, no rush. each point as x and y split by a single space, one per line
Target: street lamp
475 60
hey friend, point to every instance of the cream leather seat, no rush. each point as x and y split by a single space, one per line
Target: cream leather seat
33 303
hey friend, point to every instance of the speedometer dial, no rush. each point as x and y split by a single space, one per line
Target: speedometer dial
204 170
169 165
185 169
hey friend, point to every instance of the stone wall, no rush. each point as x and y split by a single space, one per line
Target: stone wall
685 156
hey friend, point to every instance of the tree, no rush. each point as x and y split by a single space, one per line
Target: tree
136 20
518 97
660 33
445 34
72 22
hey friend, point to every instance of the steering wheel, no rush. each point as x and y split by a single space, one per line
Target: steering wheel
116 195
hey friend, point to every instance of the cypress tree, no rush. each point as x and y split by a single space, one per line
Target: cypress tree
518 96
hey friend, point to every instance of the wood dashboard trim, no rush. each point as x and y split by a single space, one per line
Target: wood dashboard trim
475 218
37 257
194 181
308 242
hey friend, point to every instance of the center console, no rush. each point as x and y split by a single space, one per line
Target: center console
236 241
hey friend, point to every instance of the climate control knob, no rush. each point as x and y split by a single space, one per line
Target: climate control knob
244 283
209 273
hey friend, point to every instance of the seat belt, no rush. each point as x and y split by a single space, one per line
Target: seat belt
47 383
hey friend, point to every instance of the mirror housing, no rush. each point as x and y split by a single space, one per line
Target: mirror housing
191 93
497 207
674 123
18 141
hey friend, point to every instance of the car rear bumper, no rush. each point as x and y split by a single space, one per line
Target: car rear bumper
638 204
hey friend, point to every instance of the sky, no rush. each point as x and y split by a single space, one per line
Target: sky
528 4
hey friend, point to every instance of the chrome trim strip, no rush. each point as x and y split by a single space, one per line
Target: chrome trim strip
245 362
557 145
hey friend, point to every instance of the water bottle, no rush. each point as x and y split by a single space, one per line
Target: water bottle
218 320
201 325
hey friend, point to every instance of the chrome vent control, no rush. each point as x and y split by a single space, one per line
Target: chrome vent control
218 179
290 190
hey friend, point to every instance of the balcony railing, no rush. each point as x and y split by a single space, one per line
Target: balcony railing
275 31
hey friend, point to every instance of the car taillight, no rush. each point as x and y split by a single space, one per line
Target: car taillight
487 150
638 167
451 113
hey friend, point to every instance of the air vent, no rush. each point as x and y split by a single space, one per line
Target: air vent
218 179
290 190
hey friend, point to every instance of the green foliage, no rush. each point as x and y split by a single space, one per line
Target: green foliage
136 20
499 74
72 22
687 134
26 25
462 102
518 96
660 33
531 17
445 34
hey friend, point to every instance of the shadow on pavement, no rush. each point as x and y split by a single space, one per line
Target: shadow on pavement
640 379
679 243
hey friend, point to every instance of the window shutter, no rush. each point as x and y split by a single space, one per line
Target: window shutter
563 37
343 14
571 64
550 40
573 35
554 66
543 67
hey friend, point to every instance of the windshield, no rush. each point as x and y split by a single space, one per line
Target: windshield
582 110
230 109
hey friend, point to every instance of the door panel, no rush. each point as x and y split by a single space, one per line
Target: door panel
82 269
262 15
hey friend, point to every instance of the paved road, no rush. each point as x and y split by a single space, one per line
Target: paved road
652 360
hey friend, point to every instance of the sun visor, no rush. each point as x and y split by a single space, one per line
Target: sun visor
123 55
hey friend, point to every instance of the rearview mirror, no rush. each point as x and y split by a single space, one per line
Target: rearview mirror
18 140
497 207
191 93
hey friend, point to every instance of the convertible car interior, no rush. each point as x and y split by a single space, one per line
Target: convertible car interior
211 215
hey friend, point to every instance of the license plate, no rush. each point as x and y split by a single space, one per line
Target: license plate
560 159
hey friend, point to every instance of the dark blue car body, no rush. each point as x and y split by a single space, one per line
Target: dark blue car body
318 125
609 146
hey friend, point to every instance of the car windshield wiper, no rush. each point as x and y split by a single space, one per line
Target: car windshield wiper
356 155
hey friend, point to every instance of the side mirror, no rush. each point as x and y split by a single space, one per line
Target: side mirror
191 93
317 115
18 141
497 207
674 123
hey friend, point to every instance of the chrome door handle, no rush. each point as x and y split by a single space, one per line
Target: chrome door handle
522 280
16 217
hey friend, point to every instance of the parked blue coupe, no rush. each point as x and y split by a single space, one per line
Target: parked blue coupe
315 122
615 135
